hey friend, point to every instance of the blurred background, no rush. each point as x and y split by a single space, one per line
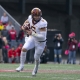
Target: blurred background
63 16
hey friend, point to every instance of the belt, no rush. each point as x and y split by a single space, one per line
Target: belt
43 41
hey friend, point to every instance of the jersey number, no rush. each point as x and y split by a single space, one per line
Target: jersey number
33 28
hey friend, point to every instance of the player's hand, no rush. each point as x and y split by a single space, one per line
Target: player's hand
29 32
22 28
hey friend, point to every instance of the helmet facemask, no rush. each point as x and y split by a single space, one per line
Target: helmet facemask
36 14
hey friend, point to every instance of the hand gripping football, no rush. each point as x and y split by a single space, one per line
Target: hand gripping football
26 26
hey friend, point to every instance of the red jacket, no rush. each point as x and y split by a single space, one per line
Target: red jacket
18 51
11 52
12 34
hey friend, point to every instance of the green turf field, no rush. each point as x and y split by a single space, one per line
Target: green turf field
46 72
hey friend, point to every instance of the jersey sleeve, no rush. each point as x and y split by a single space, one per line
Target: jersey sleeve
29 17
43 24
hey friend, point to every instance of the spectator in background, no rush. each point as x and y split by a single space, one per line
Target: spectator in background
5 33
12 37
1 26
5 50
18 52
72 44
58 41
12 55
20 37
79 46
9 26
1 46
4 19
45 55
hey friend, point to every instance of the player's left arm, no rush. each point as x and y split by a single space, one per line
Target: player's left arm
42 33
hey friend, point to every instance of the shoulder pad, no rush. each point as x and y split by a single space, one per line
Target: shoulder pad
43 23
29 17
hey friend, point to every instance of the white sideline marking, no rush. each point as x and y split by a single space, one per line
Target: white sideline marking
7 71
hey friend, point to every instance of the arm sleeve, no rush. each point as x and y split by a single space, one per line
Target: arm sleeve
39 35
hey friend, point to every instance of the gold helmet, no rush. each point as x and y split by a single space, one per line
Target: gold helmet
36 12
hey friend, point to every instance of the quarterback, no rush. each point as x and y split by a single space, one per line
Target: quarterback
36 28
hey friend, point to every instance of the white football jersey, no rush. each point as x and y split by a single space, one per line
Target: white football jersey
26 38
36 28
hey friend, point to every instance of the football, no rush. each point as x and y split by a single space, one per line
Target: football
26 26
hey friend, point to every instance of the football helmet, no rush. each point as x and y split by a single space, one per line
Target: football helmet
36 14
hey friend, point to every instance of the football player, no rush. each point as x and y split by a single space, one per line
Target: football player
36 28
